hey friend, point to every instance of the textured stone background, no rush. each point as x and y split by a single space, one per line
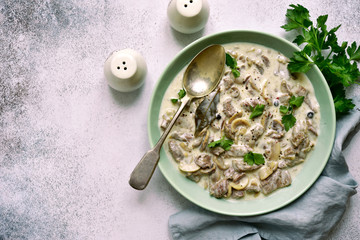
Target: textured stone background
68 142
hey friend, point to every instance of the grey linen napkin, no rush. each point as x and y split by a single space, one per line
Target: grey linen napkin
311 216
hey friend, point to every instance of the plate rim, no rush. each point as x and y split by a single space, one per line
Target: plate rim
153 141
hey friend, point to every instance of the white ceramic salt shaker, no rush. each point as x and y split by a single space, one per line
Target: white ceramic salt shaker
125 70
188 16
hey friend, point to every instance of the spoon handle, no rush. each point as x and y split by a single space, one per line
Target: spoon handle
143 171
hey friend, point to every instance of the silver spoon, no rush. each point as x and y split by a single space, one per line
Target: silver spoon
200 78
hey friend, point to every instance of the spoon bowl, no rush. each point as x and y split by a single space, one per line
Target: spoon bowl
201 77
204 71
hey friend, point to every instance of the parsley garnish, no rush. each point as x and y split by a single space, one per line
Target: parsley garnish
232 64
251 158
181 94
296 101
224 143
289 120
257 111
284 109
336 62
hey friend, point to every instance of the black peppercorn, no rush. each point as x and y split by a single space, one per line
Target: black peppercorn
310 114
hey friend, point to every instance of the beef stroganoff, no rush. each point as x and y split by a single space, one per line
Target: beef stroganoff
251 135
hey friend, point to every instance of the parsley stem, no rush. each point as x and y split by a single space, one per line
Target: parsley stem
329 55
316 45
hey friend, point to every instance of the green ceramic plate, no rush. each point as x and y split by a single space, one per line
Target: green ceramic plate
312 167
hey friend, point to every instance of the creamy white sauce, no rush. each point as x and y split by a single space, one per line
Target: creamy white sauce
264 83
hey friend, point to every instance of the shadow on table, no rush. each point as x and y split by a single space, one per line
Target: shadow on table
186 39
158 185
126 98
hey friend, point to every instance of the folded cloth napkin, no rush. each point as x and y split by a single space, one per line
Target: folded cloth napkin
311 216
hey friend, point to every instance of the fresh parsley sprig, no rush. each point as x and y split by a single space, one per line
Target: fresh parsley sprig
223 142
251 158
257 110
288 119
231 62
320 47
181 94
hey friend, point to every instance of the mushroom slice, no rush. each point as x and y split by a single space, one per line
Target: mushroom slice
265 94
265 119
220 163
235 116
267 170
234 92
240 125
229 191
275 152
239 122
188 167
243 182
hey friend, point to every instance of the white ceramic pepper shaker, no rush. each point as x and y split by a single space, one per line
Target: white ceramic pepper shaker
125 70
188 16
